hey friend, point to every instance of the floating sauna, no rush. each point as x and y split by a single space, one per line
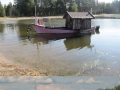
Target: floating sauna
78 20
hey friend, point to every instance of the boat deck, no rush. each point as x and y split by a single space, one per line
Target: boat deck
52 27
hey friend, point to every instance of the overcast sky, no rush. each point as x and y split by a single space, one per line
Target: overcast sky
105 1
7 1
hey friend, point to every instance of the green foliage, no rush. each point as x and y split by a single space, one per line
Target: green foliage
25 7
58 7
74 7
115 88
2 11
9 9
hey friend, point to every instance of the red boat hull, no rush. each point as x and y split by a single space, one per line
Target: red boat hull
42 29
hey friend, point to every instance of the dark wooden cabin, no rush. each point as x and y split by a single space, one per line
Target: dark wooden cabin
78 20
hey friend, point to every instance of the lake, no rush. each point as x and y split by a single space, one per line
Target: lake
90 55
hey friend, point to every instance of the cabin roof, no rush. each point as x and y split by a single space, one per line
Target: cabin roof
79 15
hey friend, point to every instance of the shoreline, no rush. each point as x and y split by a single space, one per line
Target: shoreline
25 18
17 18
107 16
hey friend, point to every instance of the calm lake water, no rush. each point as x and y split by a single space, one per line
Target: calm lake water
97 54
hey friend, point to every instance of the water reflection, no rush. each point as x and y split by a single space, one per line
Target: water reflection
45 38
97 31
71 40
20 27
9 25
22 30
79 42
59 83
23 26
2 26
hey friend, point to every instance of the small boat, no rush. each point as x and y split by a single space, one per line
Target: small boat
43 29
76 22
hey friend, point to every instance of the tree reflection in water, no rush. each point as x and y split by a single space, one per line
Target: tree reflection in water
79 42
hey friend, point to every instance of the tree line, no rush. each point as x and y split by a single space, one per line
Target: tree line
57 7
115 88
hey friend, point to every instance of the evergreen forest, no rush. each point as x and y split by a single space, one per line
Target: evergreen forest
26 8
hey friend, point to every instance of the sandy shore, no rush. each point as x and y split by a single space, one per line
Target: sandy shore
18 18
9 69
25 18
